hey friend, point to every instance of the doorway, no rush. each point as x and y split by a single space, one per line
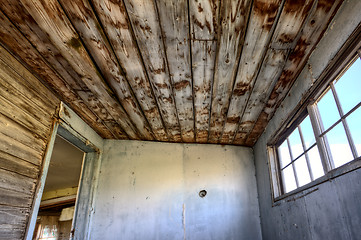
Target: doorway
74 202
56 211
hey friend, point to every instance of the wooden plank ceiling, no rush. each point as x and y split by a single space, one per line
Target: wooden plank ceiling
203 71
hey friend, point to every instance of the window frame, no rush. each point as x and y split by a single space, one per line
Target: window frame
348 54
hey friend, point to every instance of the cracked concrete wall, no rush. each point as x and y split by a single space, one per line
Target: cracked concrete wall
332 209
150 190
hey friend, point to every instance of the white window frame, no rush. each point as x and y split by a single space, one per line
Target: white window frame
309 108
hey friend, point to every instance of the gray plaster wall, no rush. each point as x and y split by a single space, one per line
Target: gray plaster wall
331 210
149 190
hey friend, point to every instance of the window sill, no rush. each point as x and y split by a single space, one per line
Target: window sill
309 188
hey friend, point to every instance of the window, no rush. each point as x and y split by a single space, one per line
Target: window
326 134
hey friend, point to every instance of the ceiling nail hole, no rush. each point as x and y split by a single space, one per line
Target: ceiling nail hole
202 193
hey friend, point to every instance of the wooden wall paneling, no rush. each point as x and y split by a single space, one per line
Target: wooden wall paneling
145 23
18 165
16 182
173 17
233 23
203 26
49 19
12 222
11 129
312 32
14 40
87 26
115 23
259 32
27 113
287 32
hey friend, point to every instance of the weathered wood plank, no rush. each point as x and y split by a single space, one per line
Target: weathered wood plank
10 36
25 82
48 19
311 35
24 117
15 164
145 23
13 216
19 150
16 182
15 199
204 54
173 17
115 22
290 23
234 17
270 71
203 25
258 35
29 138
12 231
34 108
84 21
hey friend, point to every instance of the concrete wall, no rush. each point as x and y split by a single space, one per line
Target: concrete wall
331 210
150 190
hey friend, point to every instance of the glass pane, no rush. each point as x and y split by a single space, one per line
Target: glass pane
315 162
302 171
289 181
328 110
348 87
340 149
295 143
354 121
307 132
284 154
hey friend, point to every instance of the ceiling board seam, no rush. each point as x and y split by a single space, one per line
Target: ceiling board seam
260 66
167 63
237 67
131 30
135 129
191 69
217 37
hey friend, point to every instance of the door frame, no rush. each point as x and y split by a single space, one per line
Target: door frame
71 127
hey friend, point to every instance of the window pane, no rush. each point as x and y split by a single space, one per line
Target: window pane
328 110
302 171
340 149
295 143
354 121
284 154
315 162
289 181
348 87
307 132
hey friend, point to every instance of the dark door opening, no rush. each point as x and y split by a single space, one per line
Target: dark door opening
56 212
